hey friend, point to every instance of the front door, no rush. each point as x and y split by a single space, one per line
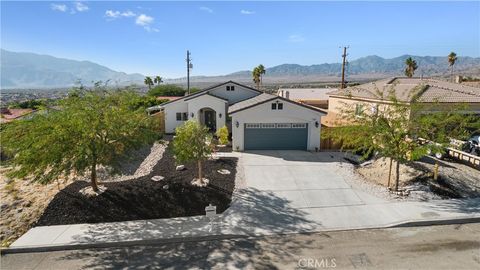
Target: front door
210 120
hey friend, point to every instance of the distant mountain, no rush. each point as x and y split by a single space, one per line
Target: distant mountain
29 70
428 65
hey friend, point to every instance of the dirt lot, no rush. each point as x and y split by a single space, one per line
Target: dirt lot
22 203
456 180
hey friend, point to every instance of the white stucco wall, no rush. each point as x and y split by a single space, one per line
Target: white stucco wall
263 113
240 93
171 110
207 101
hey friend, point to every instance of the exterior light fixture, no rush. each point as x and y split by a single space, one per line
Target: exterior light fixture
316 124
192 115
237 124
219 115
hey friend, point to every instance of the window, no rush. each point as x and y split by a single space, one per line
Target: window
277 106
182 116
299 125
284 125
358 109
230 88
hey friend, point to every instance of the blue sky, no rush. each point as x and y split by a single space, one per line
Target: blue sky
152 37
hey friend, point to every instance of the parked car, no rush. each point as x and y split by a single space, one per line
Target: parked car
472 145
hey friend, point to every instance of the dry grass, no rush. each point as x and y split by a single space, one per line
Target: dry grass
22 203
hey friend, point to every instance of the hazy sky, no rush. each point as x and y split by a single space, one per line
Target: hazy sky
224 37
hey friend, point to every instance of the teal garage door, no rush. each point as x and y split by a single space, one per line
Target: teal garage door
276 136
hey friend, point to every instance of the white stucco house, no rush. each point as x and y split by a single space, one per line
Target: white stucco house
256 120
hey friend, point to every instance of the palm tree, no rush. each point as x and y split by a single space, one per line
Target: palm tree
411 66
148 81
256 76
158 80
452 58
262 71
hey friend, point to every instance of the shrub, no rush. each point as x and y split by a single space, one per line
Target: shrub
222 135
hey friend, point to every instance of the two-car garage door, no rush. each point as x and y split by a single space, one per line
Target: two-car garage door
276 136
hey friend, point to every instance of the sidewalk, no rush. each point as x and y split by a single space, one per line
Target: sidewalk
248 218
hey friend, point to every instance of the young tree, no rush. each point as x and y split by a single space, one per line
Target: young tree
222 135
92 128
393 129
411 66
149 82
452 58
193 142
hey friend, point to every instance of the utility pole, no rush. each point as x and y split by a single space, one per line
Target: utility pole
189 66
344 55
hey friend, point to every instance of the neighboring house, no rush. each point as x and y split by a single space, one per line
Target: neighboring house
435 95
256 120
312 96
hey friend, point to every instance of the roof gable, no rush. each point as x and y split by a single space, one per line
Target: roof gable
203 91
264 98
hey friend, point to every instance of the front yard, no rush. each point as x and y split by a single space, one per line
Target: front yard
456 180
128 197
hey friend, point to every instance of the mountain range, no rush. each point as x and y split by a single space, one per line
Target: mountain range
29 70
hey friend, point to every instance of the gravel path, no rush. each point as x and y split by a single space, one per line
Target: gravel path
140 164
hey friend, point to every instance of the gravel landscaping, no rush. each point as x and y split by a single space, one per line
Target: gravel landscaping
144 198
455 180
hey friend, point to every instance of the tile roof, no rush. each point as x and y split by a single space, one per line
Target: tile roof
428 90
305 93
262 98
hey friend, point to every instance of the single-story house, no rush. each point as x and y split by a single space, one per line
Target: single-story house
256 120
435 95
317 97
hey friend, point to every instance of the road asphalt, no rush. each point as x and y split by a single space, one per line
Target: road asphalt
429 247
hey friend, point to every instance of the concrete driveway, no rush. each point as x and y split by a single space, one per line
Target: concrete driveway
304 179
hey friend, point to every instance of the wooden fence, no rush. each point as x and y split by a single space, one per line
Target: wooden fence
160 116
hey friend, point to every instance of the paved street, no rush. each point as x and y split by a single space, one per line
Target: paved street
434 247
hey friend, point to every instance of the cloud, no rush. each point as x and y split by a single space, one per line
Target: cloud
247 12
81 7
206 9
144 20
113 14
296 38
58 7
128 13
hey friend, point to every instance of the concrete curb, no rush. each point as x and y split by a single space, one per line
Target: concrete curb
403 224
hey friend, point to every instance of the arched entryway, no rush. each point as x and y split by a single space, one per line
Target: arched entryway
208 117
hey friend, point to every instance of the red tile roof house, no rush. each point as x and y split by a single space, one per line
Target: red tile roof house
437 95
8 115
